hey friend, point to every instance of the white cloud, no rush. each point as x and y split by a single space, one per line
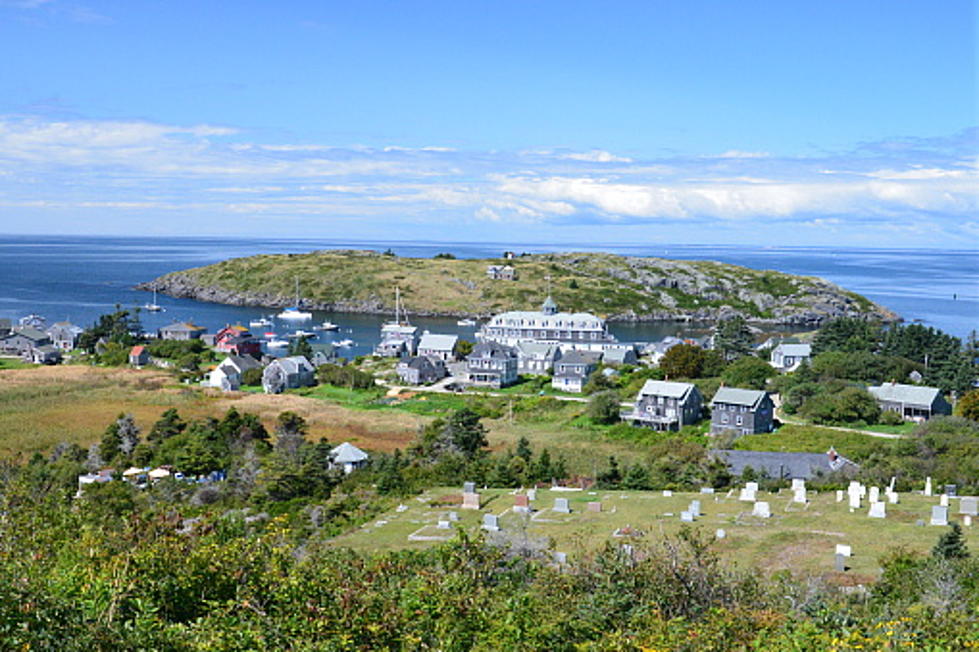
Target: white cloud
596 156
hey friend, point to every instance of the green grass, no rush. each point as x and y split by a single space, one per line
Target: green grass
14 363
812 439
901 429
796 538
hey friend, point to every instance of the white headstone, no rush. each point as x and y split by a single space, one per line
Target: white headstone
855 500
453 516
402 508
927 486
967 520
667 493
939 515
444 525
874 495
561 505
863 491
839 495
797 484
560 557
893 498
686 517
843 550
747 495
468 487
761 510
491 522
720 534
969 505
532 494
890 487
878 510
943 500
707 490
751 486
694 507
470 500
799 495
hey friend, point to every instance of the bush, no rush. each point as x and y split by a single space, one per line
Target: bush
332 374
603 407
848 406
748 372
252 377
890 418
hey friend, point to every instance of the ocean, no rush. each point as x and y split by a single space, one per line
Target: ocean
80 278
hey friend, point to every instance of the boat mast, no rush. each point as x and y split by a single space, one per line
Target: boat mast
297 292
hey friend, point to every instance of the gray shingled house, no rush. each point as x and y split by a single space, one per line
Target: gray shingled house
619 355
537 358
438 346
421 370
182 331
492 364
288 373
741 412
572 370
666 405
23 339
786 466
912 402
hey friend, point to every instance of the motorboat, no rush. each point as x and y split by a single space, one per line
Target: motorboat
154 306
326 326
296 334
293 312
277 344
466 322
344 343
269 335
261 322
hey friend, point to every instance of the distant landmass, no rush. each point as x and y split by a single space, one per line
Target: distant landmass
620 288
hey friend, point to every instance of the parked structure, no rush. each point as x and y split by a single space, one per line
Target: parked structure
64 335
570 331
227 375
288 373
741 412
537 357
666 405
571 372
421 370
912 402
182 331
349 457
438 346
492 364
788 357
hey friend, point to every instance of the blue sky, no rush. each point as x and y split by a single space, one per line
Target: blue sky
702 122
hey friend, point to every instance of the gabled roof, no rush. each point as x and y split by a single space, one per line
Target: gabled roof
241 363
183 326
531 349
910 394
31 333
139 349
493 350
785 465
794 350
735 396
294 364
616 355
666 388
580 357
347 453
438 342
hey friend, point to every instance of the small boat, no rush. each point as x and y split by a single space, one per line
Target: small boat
326 326
466 322
269 335
296 334
261 322
293 312
277 344
154 306
344 343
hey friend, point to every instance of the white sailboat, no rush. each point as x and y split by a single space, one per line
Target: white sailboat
261 322
293 312
154 306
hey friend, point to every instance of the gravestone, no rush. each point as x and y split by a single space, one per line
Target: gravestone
402 508
799 495
707 490
854 501
694 507
890 487
468 487
686 517
751 486
561 505
844 550
840 563
967 520
939 515
720 534
798 483
893 498
928 486
747 495
878 510
874 495
532 494
628 551
560 557
969 505
470 500
453 516
491 522
839 495
443 525
521 503
594 507
667 493
943 500
761 510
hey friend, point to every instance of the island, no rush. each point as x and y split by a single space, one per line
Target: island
620 288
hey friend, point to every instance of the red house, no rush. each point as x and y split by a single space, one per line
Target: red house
237 340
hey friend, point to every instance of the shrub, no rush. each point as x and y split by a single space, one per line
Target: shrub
890 418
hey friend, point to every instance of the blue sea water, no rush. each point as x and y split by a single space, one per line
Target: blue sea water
79 278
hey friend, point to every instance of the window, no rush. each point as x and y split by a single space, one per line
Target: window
723 418
739 421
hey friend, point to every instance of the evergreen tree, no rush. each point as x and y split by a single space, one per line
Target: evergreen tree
168 425
611 478
523 449
951 545
636 478
466 434
542 470
301 346
733 338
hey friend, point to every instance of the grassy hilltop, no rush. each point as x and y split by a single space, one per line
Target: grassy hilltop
619 287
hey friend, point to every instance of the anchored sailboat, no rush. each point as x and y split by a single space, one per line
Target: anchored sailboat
153 307
293 312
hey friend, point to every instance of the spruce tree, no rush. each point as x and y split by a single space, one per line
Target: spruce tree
951 545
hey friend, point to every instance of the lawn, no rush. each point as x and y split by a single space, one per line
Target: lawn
797 538
14 363
813 439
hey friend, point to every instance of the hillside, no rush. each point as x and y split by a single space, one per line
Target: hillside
621 288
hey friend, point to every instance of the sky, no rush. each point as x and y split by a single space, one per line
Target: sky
534 121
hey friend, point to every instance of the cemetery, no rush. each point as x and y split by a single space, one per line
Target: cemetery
794 529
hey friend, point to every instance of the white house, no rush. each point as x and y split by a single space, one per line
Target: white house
349 457
227 375
434 345
788 357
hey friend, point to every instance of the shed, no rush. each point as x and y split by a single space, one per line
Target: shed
349 457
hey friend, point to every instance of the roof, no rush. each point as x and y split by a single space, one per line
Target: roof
785 465
493 350
241 362
735 396
794 350
31 333
549 303
66 326
347 453
422 362
48 348
183 326
139 349
438 342
294 364
911 394
665 388
580 357
538 349
616 355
